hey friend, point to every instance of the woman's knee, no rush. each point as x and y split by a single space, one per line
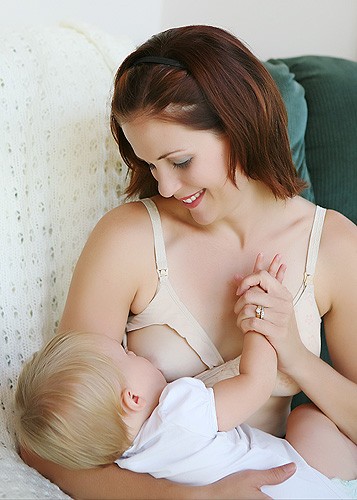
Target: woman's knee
304 420
303 414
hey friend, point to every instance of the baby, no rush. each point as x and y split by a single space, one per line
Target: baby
83 401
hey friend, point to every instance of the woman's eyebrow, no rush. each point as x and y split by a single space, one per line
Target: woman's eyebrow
170 153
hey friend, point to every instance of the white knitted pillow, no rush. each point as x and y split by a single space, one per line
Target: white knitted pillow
60 171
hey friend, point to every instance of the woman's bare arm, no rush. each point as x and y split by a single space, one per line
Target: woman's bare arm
334 390
113 483
115 268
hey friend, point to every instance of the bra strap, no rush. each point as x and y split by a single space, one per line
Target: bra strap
314 243
159 245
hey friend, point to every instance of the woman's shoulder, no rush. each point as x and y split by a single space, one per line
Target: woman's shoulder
335 223
339 233
127 221
122 235
125 213
335 220
339 244
136 212
337 262
116 270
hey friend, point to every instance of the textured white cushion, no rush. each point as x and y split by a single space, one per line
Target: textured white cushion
60 171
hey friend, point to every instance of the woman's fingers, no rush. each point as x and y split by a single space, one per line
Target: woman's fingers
258 264
278 475
262 277
247 484
274 265
275 269
263 290
277 307
264 327
281 273
264 305
264 280
276 294
271 323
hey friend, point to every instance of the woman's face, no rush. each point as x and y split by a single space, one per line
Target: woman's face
190 165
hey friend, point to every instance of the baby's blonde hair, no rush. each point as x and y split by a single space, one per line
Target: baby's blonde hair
68 403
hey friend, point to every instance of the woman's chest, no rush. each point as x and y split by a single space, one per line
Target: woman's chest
202 270
190 323
207 285
205 276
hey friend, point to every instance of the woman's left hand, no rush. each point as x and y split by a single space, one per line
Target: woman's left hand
277 323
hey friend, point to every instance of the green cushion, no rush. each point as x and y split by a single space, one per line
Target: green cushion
293 96
330 86
331 136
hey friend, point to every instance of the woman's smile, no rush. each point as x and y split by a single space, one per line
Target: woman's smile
193 200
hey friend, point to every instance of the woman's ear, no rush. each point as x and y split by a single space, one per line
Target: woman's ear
131 401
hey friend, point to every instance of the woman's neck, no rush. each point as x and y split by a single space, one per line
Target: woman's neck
255 214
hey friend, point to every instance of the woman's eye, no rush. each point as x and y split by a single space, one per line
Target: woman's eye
182 164
151 166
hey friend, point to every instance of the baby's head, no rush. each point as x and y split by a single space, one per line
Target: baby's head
69 403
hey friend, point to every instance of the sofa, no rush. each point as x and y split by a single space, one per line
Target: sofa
61 171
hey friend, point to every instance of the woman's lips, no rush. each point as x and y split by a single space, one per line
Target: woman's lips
193 200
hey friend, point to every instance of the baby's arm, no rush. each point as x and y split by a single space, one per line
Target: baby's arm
237 398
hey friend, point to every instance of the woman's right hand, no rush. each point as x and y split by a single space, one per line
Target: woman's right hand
114 483
246 485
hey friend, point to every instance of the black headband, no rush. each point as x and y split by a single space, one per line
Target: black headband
158 60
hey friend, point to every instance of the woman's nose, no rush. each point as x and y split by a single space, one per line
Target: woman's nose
168 182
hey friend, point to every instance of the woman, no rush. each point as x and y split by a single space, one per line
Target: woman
203 129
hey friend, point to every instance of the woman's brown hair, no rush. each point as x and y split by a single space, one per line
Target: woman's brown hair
220 86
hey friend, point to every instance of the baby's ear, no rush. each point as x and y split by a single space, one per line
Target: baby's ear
131 401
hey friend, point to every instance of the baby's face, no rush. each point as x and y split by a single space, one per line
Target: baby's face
138 372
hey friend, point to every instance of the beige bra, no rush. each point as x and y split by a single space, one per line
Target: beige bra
167 309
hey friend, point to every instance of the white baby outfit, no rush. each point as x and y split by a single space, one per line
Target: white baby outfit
180 441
